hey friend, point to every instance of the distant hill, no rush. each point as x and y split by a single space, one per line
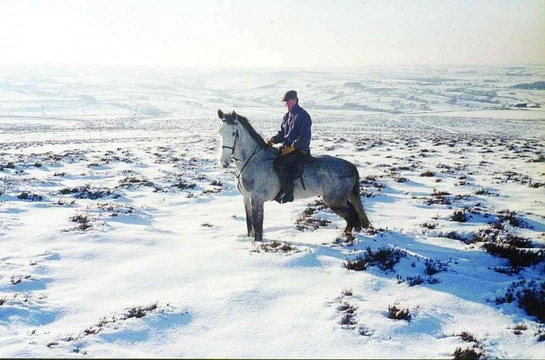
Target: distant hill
538 85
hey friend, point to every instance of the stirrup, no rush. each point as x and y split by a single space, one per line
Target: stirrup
283 198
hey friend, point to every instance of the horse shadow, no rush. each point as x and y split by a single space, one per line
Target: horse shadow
462 271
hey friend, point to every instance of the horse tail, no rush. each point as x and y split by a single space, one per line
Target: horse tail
355 200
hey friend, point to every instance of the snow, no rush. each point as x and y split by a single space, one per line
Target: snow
131 241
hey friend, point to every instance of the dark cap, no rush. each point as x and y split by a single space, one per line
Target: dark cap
292 94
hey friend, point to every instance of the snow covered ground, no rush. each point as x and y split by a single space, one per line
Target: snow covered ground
120 236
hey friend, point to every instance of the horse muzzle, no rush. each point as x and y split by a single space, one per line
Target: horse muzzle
224 163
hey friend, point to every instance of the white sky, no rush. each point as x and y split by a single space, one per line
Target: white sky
272 33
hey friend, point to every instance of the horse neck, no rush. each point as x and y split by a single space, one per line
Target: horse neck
246 145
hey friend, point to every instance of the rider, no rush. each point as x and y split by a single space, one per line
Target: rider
294 134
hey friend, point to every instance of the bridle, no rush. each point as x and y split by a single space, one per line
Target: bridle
232 148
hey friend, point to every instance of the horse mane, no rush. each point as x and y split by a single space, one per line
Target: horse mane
254 134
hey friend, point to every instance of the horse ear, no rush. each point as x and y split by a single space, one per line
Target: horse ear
220 114
235 115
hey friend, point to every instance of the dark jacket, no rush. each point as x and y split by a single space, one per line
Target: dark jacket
295 129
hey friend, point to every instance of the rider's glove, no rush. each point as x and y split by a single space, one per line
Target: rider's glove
288 149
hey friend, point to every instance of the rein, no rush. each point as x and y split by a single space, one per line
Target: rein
256 150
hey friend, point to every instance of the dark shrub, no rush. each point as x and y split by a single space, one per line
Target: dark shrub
518 258
529 295
459 216
385 258
468 354
395 313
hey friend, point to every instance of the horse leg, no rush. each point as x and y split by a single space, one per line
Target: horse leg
249 218
357 205
257 217
353 216
344 212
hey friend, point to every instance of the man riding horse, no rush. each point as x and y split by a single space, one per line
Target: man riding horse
294 134
335 180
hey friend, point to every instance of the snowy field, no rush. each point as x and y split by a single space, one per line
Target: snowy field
121 236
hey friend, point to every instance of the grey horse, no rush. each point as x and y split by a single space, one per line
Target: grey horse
334 179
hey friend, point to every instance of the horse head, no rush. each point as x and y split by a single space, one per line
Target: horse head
228 132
